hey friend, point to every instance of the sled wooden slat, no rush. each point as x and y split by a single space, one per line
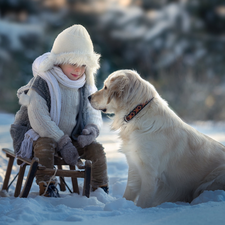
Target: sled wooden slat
62 173
30 177
36 168
20 180
62 185
20 160
74 181
87 185
8 172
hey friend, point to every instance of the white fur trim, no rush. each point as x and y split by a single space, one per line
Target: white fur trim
24 99
90 60
72 46
47 64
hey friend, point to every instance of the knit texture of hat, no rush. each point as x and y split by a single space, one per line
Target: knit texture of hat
72 46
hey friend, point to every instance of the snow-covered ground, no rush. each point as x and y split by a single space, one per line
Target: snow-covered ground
101 208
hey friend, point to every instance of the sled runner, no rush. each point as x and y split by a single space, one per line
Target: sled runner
84 171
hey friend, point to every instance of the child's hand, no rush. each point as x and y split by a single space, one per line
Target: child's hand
68 150
89 134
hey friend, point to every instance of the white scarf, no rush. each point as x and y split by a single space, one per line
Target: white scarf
53 77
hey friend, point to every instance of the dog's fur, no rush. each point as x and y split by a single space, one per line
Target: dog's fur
168 159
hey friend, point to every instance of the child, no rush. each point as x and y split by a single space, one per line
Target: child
55 114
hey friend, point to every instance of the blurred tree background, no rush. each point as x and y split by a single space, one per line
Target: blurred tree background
177 45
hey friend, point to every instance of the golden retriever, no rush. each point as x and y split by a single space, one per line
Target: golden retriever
168 160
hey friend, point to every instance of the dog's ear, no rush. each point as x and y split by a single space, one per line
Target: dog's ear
117 87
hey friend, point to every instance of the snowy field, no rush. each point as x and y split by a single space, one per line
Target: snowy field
105 209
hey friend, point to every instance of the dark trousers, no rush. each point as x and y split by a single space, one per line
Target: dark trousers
45 149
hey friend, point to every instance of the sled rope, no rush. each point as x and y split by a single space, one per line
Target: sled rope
52 177
66 185
47 185
12 181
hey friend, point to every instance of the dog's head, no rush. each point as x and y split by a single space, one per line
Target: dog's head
121 89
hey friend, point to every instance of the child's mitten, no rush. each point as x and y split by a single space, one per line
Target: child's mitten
67 150
88 135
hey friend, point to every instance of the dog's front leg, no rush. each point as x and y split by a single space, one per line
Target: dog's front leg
147 193
133 184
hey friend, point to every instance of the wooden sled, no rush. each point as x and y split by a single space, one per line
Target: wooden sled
36 168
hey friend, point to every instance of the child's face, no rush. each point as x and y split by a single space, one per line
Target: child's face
72 71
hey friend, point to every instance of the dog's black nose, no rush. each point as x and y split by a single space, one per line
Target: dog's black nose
89 98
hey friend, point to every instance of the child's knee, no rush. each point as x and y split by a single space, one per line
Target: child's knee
95 151
45 142
44 150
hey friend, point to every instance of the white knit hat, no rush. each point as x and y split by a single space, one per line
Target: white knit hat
73 46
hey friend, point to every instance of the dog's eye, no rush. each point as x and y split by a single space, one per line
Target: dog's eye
105 87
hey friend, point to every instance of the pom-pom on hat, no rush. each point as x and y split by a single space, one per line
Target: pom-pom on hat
73 46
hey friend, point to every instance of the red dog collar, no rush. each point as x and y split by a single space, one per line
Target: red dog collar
136 110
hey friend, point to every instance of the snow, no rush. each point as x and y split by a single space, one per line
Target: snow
101 208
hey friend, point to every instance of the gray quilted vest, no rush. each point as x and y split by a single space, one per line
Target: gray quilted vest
22 124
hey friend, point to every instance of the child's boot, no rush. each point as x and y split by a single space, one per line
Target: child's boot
105 188
48 190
